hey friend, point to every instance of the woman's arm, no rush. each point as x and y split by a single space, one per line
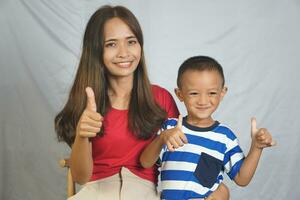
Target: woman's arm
173 138
81 160
89 125
151 153
221 193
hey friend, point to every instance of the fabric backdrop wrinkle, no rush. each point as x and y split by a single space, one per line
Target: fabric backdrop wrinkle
256 42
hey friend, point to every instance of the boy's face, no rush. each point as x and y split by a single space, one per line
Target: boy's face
201 92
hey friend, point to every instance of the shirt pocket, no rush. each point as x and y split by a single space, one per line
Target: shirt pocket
207 170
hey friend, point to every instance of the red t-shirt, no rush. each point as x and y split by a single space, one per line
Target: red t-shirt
120 148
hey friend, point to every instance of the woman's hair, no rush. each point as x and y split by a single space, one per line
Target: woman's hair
144 116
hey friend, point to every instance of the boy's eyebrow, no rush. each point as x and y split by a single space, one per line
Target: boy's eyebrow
207 89
215 89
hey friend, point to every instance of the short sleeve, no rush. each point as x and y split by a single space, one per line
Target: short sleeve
234 157
168 124
165 100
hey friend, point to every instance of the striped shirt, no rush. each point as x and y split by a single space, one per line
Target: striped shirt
196 169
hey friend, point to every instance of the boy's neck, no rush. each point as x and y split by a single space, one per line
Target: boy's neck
202 123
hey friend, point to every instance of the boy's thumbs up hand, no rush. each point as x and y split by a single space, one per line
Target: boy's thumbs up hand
90 122
261 137
179 122
179 127
174 137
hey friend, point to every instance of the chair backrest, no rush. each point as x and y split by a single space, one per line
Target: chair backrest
71 189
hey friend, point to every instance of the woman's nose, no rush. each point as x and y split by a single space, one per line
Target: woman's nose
122 51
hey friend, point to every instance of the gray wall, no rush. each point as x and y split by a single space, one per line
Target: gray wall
257 42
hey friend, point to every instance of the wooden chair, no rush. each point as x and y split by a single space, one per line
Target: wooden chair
71 189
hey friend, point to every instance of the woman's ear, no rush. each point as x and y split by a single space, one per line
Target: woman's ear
178 93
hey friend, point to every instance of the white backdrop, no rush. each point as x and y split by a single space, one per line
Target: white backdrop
257 42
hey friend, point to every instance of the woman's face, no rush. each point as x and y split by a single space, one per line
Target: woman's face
122 51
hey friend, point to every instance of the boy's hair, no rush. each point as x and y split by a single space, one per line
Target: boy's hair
200 63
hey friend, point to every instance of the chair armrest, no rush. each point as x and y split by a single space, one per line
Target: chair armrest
65 162
71 188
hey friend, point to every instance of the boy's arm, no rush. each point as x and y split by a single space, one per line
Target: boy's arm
173 138
261 138
248 167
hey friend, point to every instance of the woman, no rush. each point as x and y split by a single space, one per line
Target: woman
113 111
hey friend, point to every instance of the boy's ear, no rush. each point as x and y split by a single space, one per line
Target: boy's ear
223 92
178 94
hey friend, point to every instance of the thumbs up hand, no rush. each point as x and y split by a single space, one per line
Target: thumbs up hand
90 122
174 137
261 137
91 102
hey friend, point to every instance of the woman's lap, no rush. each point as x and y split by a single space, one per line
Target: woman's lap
122 186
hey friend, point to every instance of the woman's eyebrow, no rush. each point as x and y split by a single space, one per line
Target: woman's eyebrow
115 39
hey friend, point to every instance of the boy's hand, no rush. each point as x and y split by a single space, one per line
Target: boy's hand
261 137
174 137
90 122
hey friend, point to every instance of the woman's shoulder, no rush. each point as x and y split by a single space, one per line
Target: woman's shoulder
165 100
161 95
158 90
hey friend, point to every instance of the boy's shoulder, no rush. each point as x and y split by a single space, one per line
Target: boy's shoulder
169 123
223 128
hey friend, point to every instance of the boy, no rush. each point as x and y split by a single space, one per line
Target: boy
195 151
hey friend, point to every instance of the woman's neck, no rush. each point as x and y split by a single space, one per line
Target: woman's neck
119 92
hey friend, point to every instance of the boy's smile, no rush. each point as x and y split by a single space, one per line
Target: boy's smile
201 92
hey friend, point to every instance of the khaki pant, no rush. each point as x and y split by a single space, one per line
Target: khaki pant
122 186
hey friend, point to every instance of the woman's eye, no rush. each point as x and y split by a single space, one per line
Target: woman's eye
132 42
110 44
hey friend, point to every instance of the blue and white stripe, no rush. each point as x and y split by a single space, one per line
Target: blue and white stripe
177 180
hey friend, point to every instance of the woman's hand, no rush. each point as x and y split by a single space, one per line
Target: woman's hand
90 122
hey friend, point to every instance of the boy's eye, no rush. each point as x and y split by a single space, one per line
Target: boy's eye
212 93
193 93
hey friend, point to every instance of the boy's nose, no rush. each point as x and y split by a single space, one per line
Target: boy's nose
202 99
